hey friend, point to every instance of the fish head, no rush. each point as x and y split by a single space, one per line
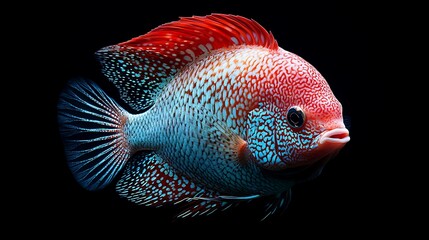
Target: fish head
298 121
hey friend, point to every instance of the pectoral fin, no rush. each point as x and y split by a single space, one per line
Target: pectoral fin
278 205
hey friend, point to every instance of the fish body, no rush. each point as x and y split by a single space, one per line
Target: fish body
222 115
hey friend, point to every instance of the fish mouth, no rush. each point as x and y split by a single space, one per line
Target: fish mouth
337 136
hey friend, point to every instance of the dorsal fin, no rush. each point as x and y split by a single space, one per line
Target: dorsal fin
142 66
191 37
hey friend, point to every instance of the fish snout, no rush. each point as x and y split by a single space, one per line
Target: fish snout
334 138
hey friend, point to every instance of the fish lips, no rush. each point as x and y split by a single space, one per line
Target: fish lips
335 138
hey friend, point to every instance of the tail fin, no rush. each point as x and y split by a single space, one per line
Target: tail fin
92 128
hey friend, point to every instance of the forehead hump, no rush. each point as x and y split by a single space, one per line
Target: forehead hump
297 82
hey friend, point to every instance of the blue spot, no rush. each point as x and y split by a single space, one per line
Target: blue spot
234 40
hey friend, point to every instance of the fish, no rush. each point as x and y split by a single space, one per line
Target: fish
213 114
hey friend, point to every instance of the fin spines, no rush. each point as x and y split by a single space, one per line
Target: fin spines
278 205
212 32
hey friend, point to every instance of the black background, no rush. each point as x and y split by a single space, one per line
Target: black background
330 36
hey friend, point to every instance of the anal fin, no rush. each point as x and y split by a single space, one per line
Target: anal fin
199 207
149 180
210 202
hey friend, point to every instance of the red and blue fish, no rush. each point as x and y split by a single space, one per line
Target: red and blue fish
221 115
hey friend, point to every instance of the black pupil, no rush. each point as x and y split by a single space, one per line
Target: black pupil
295 117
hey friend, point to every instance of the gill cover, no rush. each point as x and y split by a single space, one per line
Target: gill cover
261 138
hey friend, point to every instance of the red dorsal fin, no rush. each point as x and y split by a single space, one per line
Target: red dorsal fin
142 66
191 37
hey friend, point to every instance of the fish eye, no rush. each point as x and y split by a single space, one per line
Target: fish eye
295 117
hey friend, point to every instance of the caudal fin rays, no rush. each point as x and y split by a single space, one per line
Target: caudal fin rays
91 125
